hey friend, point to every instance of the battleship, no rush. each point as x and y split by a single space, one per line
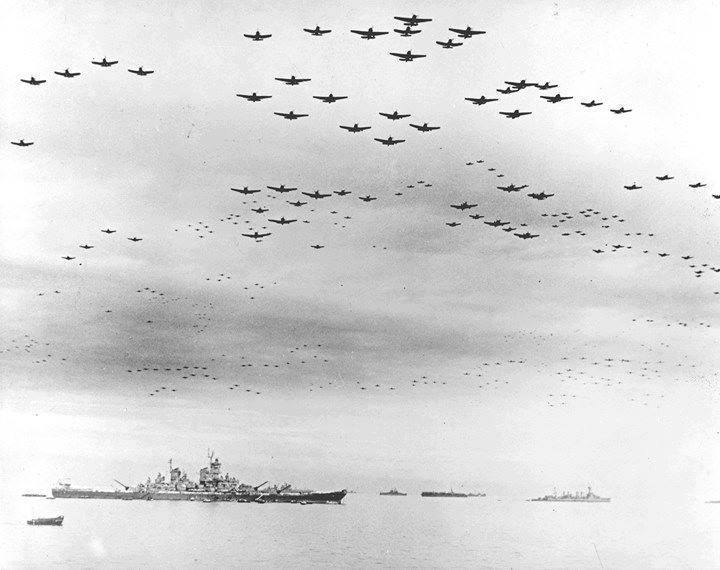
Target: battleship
212 486
577 497
393 493
450 493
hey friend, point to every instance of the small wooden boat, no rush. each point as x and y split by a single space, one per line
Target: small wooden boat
56 521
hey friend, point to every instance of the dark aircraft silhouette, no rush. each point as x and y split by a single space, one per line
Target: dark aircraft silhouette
257 36
507 90
686 257
412 20
342 192
67 73
140 71
291 116
317 31
592 103
282 221
407 56
515 114
370 34
407 32
297 204
463 206
135 238
244 190
449 44
424 127
633 187
509 229
317 246
68 257
480 100
452 224
665 177
256 235
555 98
512 188
522 84
663 254
390 141
598 250
545 86
254 97
86 246
354 128
329 98
698 185
496 223
620 111
33 81
317 195
260 210
22 142
394 116
292 80
108 231
467 33
527 235
367 198
476 216
540 195
104 63
281 188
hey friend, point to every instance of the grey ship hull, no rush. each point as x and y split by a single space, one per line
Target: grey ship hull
595 500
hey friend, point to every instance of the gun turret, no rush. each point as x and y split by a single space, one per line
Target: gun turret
283 488
260 485
126 487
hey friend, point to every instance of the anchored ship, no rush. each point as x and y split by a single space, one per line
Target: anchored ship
450 493
577 497
393 493
212 486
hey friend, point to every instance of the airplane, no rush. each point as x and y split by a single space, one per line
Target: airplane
33 81
545 86
254 97
452 224
330 98
463 206
480 100
515 114
317 31
257 36
476 216
620 111
390 141
140 71
104 63
698 185
407 56
244 190
512 188
342 192
317 246
108 231
507 90
467 33
540 195
317 195
509 229
522 84
424 127
297 204
86 246
281 188
663 254
367 198
354 128
716 196
135 239
598 250
370 34
259 210
394 116
449 44
633 187
256 235
67 73
407 32
686 257
665 177
592 103
527 235
412 20
291 116
67 257
555 98
22 142
496 223
282 221
292 81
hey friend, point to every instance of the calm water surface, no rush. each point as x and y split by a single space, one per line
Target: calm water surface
367 531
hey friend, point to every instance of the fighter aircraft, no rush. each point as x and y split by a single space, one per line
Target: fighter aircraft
412 20
282 221
297 204
697 185
354 128
86 246
545 86
140 71
665 177
281 188
476 216
515 114
407 32
67 257
527 235
342 192
448 44
555 98
633 186
507 90
480 100
463 206
370 34
522 84
317 195
104 63
540 195
452 224
108 231
394 116
135 239
467 33
257 36
244 190
254 97
512 188
292 80
620 111
407 56
317 246
22 142
329 98
67 73
592 103
291 116
390 141
33 81
317 31
496 223
424 127
367 198
256 235
260 210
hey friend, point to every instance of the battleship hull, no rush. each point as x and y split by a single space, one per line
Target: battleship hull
442 494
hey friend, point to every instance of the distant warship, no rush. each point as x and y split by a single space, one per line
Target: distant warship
393 493
211 487
577 497
450 493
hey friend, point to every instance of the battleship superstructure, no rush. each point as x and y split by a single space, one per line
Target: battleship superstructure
393 493
577 497
211 486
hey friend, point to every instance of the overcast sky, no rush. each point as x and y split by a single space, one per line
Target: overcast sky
395 294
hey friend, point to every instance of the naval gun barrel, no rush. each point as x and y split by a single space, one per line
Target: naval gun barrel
126 487
260 485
